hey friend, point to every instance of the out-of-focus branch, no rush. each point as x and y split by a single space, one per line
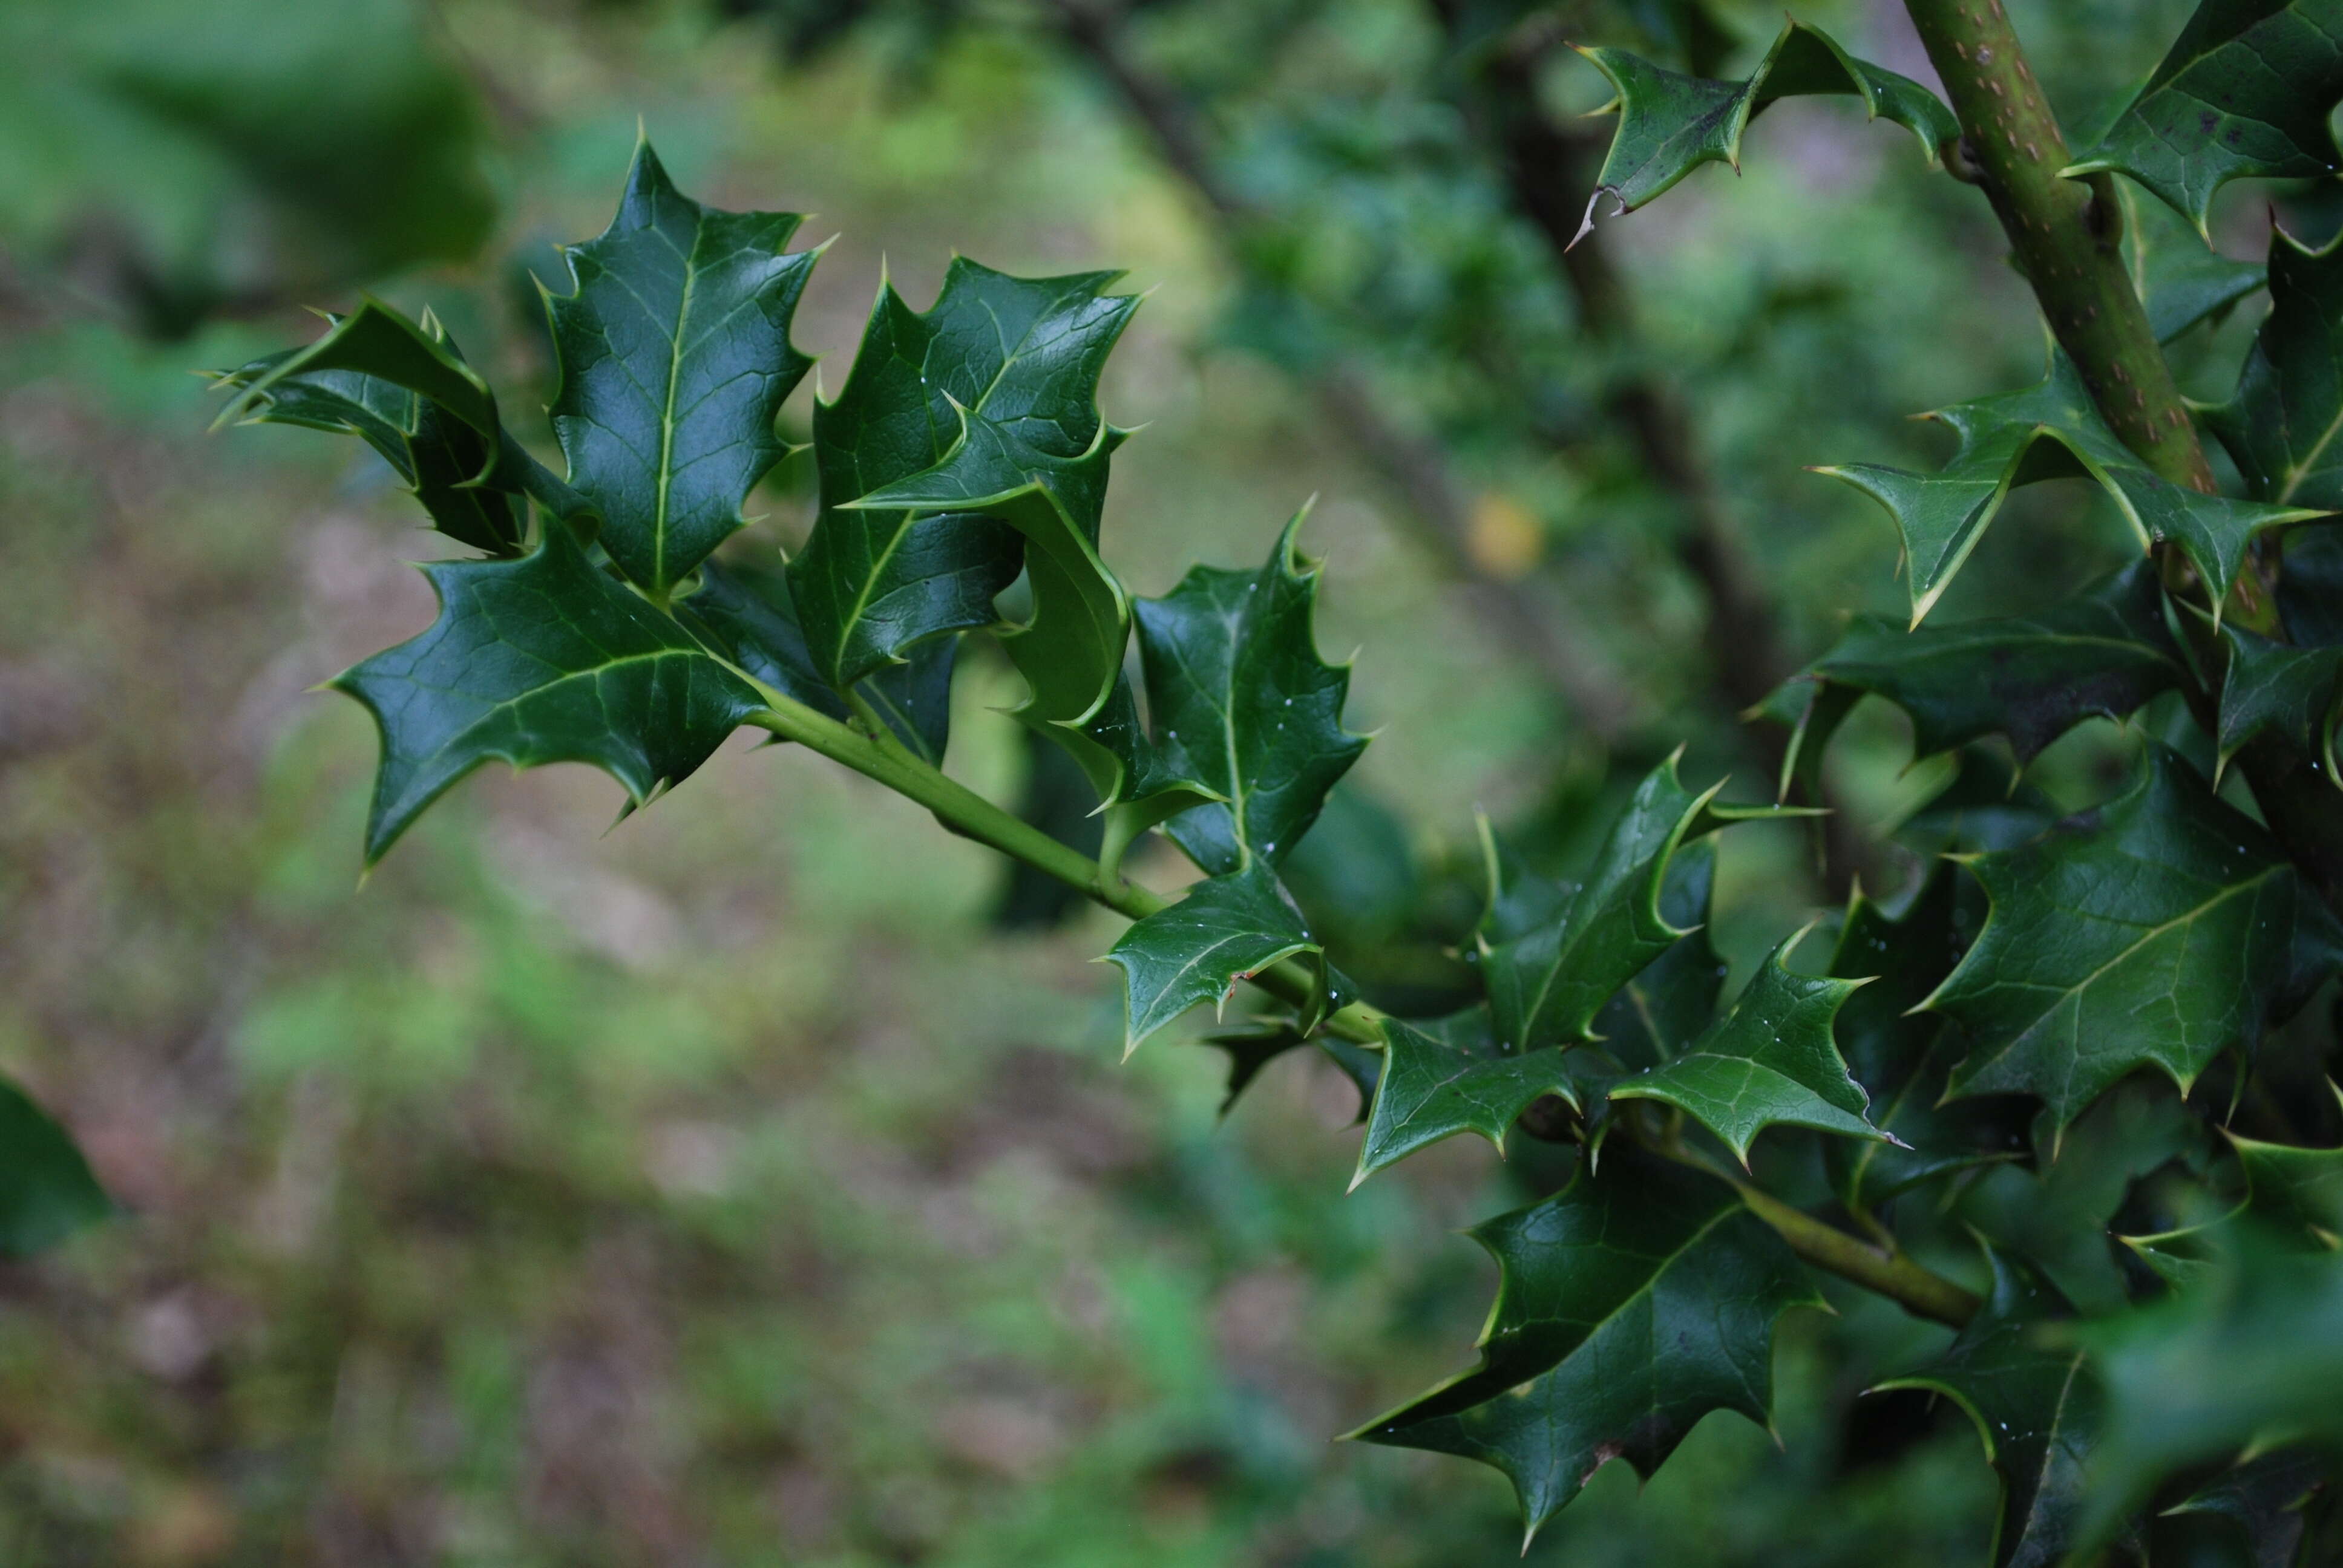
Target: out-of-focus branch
1525 614
1549 171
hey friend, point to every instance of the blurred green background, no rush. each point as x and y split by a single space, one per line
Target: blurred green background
755 1181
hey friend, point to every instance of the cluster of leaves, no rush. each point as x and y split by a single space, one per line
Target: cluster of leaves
962 470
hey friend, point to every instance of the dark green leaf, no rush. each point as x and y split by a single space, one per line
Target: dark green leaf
2158 931
2293 1196
1988 806
747 611
1901 1058
46 1191
2103 653
2036 1406
443 459
675 356
2048 432
1670 123
1630 1304
2280 426
1256 1045
1667 1006
1769 1061
1558 953
1022 352
536 661
1244 706
1227 929
2249 1352
2262 1499
1451 1077
979 413
2310 593
2294 691
2186 286
2246 90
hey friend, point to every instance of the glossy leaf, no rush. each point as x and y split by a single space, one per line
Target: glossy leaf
46 1190
2185 287
1672 1000
1769 1061
1630 1304
1902 1058
2295 692
675 358
748 612
2048 431
958 431
1022 349
1244 707
2245 91
2282 423
2101 654
2157 931
1451 1077
536 660
443 459
1550 975
2037 1407
1671 123
1225 929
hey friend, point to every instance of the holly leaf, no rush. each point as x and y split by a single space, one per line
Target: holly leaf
2186 286
2158 931
1986 806
1902 1058
1452 1076
2245 91
2039 1409
536 661
2280 426
1028 447
441 460
46 1190
1671 123
1769 1061
1244 707
2049 431
2262 1500
2296 692
1630 1304
2243 1356
2101 654
748 613
2293 1196
1026 352
675 358
402 388
2310 593
1256 1045
1556 963
1672 1000
1226 930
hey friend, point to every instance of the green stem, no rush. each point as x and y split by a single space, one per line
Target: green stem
1919 1291
880 756
1922 1292
2067 234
